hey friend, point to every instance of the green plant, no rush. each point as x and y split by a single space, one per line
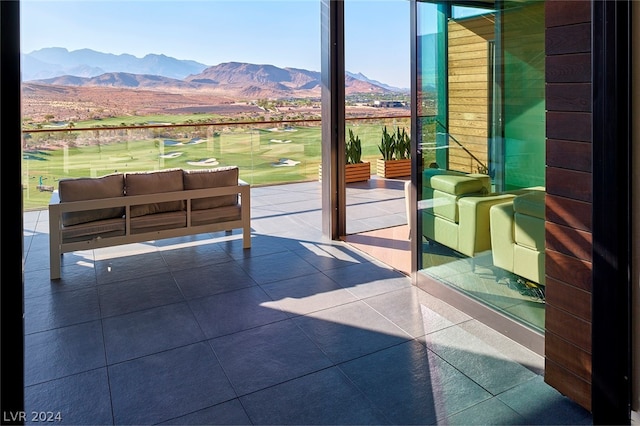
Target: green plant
387 144
396 145
353 149
402 149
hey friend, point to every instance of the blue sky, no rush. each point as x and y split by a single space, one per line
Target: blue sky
282 33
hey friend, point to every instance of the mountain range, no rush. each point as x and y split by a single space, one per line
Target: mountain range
85 67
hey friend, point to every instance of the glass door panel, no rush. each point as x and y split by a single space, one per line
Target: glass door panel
480 121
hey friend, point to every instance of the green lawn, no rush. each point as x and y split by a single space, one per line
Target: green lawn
264 156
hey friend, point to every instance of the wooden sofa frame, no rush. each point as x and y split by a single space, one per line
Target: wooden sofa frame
56 209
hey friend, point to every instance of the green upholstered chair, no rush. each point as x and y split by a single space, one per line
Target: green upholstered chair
518 235
455 209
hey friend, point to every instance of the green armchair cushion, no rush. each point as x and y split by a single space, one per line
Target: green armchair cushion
529 220
531 204
518 235
457 215
456 185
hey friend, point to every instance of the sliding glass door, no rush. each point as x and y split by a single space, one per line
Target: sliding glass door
480 127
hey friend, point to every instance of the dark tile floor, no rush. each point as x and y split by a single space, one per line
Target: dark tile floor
296 330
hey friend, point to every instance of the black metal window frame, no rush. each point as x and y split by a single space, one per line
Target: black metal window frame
611 211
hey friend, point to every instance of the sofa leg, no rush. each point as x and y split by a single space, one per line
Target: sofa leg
55 261
246 239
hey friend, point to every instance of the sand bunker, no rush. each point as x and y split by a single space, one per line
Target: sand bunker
204 163
171 155
285 162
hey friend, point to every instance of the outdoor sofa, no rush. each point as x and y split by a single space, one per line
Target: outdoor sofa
124 208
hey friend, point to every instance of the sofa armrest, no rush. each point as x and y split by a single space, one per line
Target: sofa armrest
502 236
474 233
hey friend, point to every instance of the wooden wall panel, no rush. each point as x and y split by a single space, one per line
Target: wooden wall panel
468 64
569 154
569 327
569 298
564 13
569 270
568 383
568 39
569 241
569 185
568 97
574 68
569 125
566 211
567 354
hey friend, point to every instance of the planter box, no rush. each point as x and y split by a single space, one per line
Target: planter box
393 168
353 172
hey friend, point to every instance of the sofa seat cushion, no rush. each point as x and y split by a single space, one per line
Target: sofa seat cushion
154 182
219 214
158 222
82 189
96 229
212 178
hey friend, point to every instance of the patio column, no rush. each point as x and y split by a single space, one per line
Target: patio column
333 119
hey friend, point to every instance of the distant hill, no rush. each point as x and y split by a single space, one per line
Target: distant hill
121 80
57 61
86 67
362 77
232 79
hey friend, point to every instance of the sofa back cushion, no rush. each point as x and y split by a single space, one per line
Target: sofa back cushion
81 189
212 178
153 183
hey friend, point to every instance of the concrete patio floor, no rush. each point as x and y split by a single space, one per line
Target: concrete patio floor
296 330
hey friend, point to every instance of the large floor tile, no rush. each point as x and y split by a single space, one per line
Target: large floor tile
261 245
323 398
192 252
167 385
300 296
138 293
146 332
212 279
369 279
234 311
411 385
277 266
329 256
37 282
265 356
415 311
489 412
60 309
62 352
129 265
538 403
227 413
480 361
81 399
350 331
